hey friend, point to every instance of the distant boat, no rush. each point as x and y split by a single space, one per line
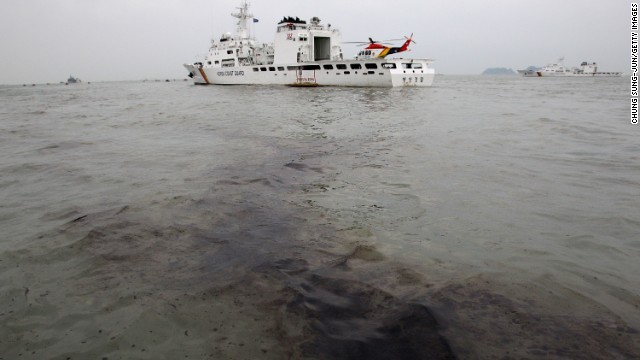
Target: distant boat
72 80
558 69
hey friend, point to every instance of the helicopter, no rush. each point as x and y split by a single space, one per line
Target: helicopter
379 49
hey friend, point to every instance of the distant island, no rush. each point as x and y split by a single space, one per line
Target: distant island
499 71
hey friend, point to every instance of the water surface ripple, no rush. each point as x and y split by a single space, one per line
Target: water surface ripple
481 218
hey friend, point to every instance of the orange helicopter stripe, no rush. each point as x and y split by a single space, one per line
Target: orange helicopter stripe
384 53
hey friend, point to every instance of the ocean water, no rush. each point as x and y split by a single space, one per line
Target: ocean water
481 218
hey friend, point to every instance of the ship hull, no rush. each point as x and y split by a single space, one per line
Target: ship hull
550 74
528 73
329 73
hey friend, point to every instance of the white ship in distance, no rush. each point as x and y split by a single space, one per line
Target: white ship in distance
585 69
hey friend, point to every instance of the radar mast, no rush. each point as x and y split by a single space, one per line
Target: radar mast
243 15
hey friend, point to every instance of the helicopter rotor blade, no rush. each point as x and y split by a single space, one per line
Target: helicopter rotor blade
382 42
360 43
411 38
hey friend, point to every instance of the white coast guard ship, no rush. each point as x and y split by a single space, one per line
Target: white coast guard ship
304 54
558 69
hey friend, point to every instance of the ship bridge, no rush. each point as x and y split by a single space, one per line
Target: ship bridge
299 41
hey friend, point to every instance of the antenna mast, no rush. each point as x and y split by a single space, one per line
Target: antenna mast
243 15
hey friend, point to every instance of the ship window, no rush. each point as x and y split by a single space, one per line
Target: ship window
263 69
310 67
417 66
217 62
341 66
255 69
328 67
347 72
372 72
280 68
406 65
371 66
229 51
389 65
271 68
293 68
209 62
356 66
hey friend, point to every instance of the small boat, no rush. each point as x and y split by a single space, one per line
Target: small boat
73 80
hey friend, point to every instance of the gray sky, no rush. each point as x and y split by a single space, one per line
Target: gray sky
101 40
